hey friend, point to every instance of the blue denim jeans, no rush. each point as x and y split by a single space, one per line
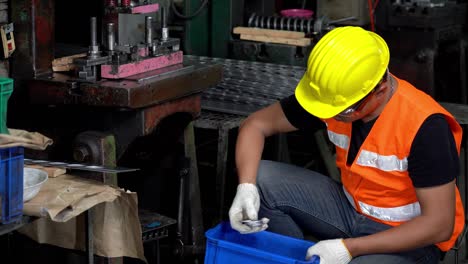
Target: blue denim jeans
299 201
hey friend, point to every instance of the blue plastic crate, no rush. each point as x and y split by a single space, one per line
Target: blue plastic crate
227 246
11 184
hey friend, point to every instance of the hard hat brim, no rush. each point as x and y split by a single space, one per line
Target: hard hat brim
312 104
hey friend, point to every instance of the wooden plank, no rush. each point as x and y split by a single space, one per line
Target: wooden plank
62 68
269 32
52 172
295 42
65 63
67 59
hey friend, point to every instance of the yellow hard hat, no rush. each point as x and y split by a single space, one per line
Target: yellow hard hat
344 66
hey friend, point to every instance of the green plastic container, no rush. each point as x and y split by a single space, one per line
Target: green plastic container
6 88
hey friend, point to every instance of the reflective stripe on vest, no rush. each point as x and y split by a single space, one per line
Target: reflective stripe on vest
394 214
381 162
384 163
340 140
368 158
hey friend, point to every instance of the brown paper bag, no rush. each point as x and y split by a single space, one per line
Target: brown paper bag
67 196
61 202
32 140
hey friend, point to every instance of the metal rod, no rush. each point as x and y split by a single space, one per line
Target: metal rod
181 203
165 30
163 17
93 31
149 30
78 166
89 236
110 36
93 48
184 181
344 19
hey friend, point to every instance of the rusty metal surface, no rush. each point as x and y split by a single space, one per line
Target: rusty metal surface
34 22
154 115
126 93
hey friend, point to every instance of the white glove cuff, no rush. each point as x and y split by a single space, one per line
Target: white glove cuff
247 187
343 253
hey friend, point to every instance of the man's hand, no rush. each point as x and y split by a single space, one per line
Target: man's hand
245 206
331 251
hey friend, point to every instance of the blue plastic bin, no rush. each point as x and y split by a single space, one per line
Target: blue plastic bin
227 246
11 184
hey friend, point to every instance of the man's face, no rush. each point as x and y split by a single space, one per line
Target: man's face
366 105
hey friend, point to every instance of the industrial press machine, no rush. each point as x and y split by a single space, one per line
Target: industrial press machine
129 50
127 98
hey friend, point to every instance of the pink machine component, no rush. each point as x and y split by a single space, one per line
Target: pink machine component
145 9
129 69
127 50
126 3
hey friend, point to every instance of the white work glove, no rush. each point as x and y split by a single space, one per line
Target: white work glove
331 251
245 207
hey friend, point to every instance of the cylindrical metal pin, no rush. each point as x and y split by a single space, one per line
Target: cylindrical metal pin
149 30
165 30
93 32
94 47
110 36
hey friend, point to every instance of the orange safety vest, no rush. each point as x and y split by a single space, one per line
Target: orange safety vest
377 183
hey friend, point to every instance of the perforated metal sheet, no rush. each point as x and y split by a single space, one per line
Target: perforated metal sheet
247 86
216 120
